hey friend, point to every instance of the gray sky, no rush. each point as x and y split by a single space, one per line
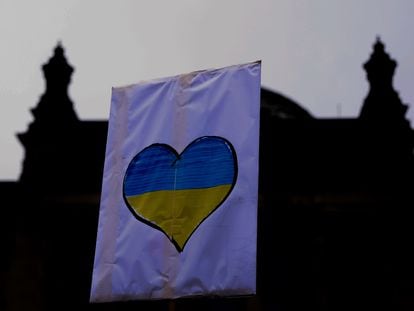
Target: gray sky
311 51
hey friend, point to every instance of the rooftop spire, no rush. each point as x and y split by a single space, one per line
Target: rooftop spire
57 71
383 108
55 120
380 67
55 109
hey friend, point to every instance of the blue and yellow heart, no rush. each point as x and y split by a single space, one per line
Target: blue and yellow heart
175 192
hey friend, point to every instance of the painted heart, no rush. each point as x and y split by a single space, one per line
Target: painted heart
175 192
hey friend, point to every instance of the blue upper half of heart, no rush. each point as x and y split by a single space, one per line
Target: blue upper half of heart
207 162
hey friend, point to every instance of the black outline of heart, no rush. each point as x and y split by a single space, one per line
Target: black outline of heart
178 156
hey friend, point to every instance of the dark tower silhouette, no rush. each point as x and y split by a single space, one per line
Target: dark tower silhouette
55 106
383 116
382 103
63 154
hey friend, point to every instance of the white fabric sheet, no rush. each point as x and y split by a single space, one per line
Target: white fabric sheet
135 258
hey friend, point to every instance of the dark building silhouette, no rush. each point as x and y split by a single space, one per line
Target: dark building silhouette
335 206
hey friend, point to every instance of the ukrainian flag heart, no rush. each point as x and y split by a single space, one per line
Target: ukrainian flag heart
175 192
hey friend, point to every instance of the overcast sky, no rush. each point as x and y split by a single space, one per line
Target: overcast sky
311 50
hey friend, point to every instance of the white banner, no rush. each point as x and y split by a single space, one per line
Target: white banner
178 214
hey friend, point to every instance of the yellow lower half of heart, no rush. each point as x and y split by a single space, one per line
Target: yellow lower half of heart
178 212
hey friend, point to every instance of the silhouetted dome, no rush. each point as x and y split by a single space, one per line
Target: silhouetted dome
282 107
